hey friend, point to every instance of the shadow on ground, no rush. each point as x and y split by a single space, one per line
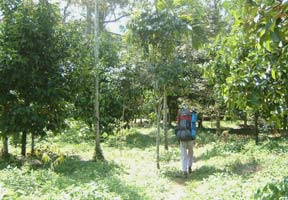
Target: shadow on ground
214 152
136 139
244 169
204 172
12 161
86 171
140 140
72 173
196 175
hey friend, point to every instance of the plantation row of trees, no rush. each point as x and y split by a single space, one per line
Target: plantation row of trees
249 66
50 69
48 72
53 68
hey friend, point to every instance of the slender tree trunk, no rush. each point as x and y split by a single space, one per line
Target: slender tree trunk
89 32
32 144
123 115
245 120
89 11
256 118
126 123
158 110
24 142
98 154
200 120
158 135
165 120
218 121
285 123
5 150
65 11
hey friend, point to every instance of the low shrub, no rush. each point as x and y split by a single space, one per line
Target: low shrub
275 190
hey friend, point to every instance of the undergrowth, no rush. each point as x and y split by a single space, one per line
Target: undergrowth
224 168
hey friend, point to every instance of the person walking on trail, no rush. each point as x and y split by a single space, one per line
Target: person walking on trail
186 148
186 133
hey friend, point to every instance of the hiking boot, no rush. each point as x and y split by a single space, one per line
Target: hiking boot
185 174
189 170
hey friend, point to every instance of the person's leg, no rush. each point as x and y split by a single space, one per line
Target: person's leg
183 148
190 155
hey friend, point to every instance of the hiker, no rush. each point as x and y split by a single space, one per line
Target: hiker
186 133
186 148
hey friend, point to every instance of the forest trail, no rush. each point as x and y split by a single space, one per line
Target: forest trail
178 190
138 166
145 173
130 172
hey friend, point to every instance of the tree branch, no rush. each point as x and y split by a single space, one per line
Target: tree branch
116 19
65 12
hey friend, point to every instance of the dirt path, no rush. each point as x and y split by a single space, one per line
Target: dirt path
139 169
178 191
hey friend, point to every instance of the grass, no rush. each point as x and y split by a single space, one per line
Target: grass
233 168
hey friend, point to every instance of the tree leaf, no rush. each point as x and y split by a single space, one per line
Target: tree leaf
275 37
267 45
273 74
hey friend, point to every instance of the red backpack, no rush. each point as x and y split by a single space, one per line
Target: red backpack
183 131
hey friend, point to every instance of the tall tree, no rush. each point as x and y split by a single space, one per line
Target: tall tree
158 30
98 154
249 62
98 14
34 73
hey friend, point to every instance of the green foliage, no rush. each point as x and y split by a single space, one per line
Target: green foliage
206 136
34 75
118 85
274 146
130 138
171 155
221 169
73 178
50 185
228 172
76 133
157 37
248 66
46 75
275 190
119 139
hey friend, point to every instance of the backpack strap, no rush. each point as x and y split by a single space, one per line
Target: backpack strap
184 117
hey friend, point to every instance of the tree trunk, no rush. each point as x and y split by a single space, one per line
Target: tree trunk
65 11
285 123
218 122
123 114
245 120
89 11
32 144
5 150
256 117
24 142
98 154
165 120
158 135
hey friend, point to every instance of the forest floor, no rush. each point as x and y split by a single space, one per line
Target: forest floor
224 168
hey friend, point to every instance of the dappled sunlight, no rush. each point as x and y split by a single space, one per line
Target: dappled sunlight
130 170
244 167
90 114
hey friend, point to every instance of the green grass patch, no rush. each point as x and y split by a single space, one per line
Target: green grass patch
233 168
